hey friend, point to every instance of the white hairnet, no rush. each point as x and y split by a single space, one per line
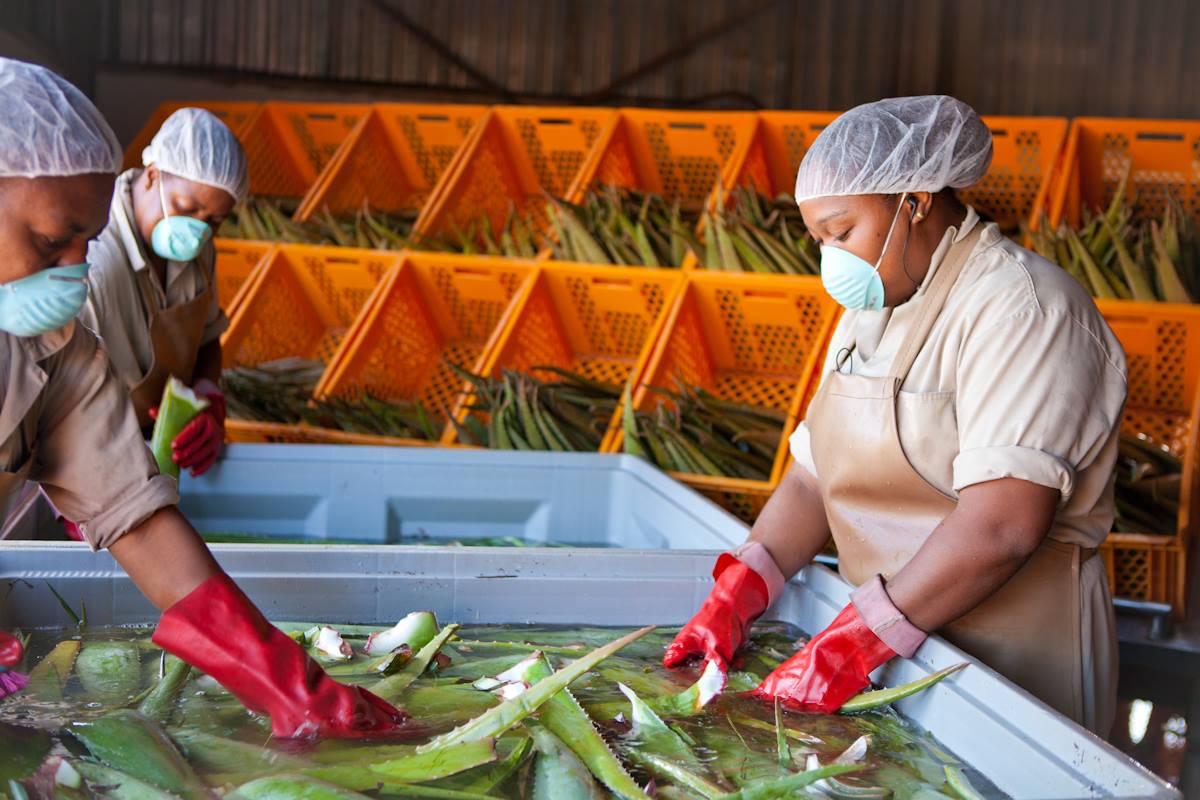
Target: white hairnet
49 128
193 144
904 144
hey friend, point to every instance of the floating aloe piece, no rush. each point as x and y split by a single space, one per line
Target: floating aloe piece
416 630
278 787
109 671
159 703
662 751
567 720
21 750
962 787
126 740
391 687
787 787
558 772
414 767
328 643
117 785
510 712
218 754
693 699
869 700
50 675
781 743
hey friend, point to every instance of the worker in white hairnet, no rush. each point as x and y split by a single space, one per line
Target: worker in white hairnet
961 447
152 287
67 424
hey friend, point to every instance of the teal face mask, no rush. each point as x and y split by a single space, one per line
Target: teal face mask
177 238
43 301
850 280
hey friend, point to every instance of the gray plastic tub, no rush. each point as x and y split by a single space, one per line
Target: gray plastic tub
379 494
1024 747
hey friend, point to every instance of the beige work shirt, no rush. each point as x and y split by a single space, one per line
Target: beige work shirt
68 424
122 286
1021 363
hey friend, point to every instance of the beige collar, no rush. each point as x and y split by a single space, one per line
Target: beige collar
951 237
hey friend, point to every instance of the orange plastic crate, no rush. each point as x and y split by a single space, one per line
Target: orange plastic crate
678 154
746 338
289 144
236 260
234 115
1162 348
1015 189
1163 156
516 156
393 160
301 302
431 310
597 321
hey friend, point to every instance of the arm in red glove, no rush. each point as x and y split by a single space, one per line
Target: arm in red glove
834 666
199 444
747 582
219 631
11 653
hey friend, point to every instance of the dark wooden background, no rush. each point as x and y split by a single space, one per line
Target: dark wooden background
1068 57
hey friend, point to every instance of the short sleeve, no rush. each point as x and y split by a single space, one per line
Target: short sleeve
1039 395
216 323
800 443
91 459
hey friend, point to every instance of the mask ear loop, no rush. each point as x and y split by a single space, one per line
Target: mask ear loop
162 195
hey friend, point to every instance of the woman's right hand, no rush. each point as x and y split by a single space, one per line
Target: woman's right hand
721 625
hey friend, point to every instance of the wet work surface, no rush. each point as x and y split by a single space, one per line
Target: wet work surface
106 709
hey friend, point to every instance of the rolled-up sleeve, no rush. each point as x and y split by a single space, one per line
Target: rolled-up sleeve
1038 398
91 459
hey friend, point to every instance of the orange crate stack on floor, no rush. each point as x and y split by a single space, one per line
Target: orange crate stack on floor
393 160
301 303
517 156
1162 348
596 321
431 311
289 144
1161 156
233 114
680 155
236 261
744 339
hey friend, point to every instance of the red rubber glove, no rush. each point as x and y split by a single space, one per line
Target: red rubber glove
720 627
11 653
199 444
830 669
219 631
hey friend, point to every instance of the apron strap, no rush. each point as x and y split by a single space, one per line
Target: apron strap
931 307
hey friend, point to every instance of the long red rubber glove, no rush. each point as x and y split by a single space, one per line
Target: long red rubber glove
833 667
219 631
720 627
11 653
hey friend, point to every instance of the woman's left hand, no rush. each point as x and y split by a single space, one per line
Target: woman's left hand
833 667
199 444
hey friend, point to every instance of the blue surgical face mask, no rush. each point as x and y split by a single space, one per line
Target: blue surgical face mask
177 238
43 301
852 281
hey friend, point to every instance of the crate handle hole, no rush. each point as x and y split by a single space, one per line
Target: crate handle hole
1151 136
1126 319
322 117
817 126
764 294
999 132
433 117
625 282
471 271
337 260
687 126
553 121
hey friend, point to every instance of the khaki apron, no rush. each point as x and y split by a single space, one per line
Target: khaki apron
881 511
175 335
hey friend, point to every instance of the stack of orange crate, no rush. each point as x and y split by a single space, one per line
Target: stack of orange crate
301 302
432 311
596 321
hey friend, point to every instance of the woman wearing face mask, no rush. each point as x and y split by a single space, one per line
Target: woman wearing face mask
961 447
66 423
152 295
